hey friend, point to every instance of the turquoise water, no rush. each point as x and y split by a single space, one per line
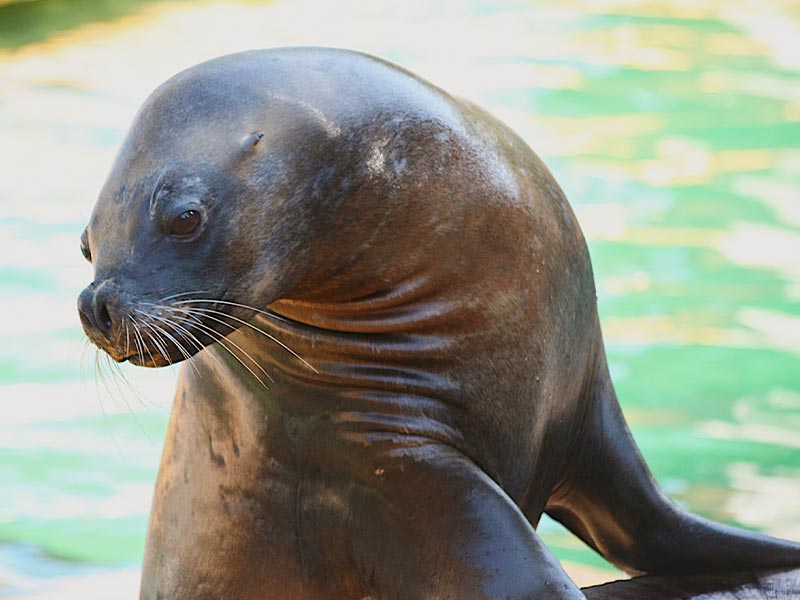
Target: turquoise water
673 127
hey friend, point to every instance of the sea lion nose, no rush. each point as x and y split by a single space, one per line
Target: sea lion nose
93 310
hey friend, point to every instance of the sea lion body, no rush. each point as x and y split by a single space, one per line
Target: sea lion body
413 370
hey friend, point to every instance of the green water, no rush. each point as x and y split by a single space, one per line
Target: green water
674 128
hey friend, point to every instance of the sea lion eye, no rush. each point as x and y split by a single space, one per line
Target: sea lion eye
85 246
185 223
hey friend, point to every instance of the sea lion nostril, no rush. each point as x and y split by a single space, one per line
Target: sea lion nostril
103 318
93 311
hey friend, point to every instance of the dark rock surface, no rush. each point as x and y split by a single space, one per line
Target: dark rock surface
759 585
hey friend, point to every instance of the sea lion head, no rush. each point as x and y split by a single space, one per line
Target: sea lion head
245 180
209 208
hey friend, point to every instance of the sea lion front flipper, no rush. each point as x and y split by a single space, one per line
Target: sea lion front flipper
608 498
434 525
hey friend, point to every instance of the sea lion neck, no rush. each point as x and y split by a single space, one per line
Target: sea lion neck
404 329
369 353
409 300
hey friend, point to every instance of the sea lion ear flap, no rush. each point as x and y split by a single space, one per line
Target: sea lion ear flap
251 141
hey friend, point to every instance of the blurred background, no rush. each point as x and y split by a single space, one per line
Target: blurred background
672 125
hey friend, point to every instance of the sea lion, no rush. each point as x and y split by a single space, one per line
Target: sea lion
396 362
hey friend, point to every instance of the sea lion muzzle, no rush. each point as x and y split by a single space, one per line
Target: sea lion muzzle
106 313
96 307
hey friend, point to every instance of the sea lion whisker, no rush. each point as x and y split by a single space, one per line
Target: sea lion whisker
188 313
269 314
100 357
143 400
119 375
165 298
86 346
140 333
100 398
231 342
177 329
127 339
113 368
101 375
116 373
181 330
239 359
159 342
220 339
187 317
186 333
165 334
151 337
116 370
139 347
261 331
97 374
178 345
194 339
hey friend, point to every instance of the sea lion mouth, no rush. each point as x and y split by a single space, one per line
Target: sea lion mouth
158 360
159 333
145 361
173 329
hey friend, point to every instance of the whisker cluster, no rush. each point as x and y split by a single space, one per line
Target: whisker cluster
154 328
246 323
179 324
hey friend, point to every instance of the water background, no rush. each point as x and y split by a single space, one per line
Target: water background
673 126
